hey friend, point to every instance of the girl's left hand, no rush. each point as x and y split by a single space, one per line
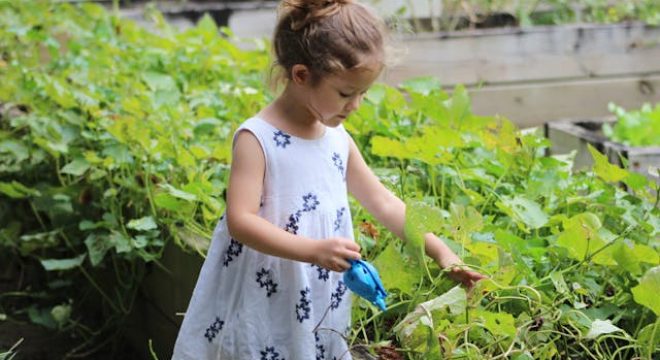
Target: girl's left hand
447 259
464 275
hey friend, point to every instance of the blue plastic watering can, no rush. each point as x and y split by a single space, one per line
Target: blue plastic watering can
363 279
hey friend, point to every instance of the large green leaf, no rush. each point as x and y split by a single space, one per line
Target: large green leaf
17 190
499 324
524 211
453 301
143 224
581 237
604 169
76 167
600 327
646 293
394 273
630 256
420 219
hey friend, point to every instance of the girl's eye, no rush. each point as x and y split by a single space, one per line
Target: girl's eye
344 95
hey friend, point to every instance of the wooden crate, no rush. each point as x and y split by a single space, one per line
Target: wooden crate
569 135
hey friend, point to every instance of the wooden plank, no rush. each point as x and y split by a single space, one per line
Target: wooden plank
534 104
498 56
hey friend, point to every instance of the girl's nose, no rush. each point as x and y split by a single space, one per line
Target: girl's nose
354 103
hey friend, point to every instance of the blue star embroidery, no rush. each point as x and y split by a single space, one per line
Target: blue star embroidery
338 295
324 274
270 354
320 349
303 308
235 248
265 280
281 139
214 329
339 163
292 225
311 202
340 214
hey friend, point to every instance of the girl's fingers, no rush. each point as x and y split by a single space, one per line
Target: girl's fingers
351 245
343 265
352 255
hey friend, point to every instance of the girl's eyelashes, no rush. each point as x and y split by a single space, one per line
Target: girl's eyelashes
345 95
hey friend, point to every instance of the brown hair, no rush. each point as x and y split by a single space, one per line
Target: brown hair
327 36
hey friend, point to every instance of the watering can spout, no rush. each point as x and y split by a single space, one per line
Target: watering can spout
363 279
381 304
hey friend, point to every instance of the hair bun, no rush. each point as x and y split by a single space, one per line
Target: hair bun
304 12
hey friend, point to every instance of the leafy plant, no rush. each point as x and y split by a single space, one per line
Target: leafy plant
113 142
572 258
635 128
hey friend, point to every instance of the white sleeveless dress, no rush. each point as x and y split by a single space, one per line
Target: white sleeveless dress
251 306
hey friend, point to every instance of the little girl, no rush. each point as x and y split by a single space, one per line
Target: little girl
271 287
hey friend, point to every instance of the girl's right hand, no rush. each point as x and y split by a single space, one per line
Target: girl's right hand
334 253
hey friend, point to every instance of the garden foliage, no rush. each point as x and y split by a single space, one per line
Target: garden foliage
115 141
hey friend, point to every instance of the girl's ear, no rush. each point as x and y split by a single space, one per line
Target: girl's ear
300 74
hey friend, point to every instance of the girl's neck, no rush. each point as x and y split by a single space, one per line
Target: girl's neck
290 114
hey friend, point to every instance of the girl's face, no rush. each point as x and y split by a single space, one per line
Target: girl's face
337 95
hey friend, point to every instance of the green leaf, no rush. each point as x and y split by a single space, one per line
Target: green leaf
629 256
459 105
525 211
648 337
179 193
646 293
385 147
558 281
121 243
464 220
41 317
143 224
501 323
17 190
76 167
600 327
420 219
605 170
97 247
454 301
392 272
17 148
422 85
158 81
62 264
581 238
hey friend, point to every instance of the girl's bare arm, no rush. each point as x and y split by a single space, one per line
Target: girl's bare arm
388 209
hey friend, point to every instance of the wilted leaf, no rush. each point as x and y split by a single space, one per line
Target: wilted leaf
62 264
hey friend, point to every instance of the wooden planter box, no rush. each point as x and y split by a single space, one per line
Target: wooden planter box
539 74
163 298
569 135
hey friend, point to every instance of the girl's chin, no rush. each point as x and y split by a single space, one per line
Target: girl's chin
334 122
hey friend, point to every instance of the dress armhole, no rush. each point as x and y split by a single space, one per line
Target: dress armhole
347 138
261 146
